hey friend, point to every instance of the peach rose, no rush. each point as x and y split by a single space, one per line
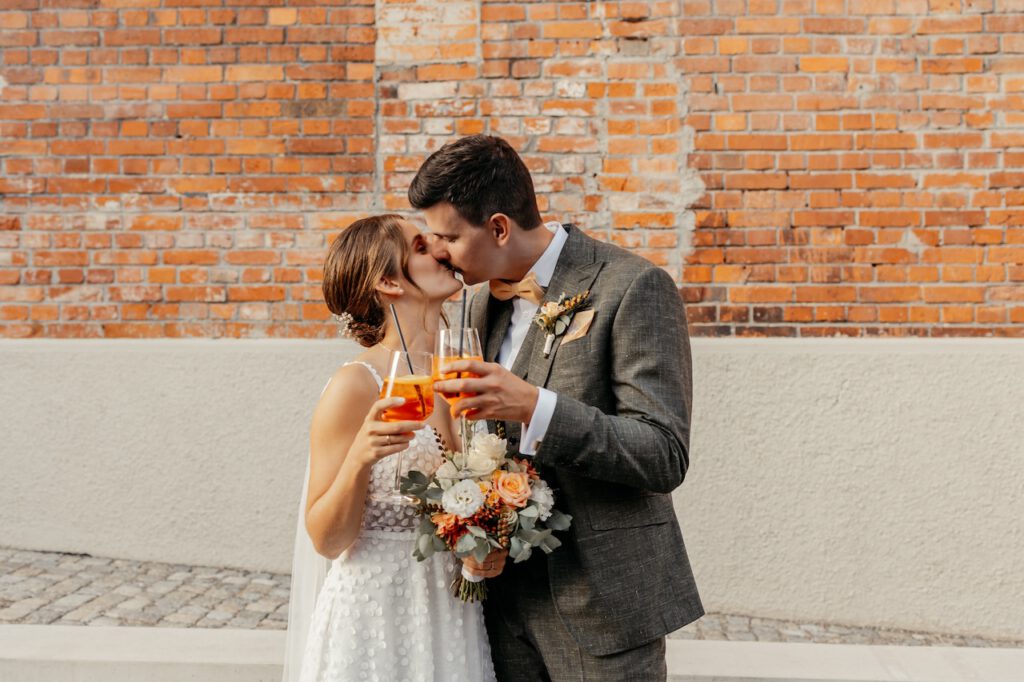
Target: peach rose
513 488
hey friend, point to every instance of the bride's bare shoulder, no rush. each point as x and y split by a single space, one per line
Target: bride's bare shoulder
351 387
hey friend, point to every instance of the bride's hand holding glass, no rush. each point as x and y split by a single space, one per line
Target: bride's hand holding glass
378 438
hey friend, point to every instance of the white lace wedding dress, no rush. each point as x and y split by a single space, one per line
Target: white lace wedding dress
382 615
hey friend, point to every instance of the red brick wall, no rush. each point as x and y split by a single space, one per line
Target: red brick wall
864 161
177 167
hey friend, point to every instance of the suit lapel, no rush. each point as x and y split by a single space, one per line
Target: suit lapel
575 272
540 366
499 316
522 363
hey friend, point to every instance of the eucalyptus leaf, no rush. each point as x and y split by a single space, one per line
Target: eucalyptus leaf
426 526
531 511
561 324
524 551
408 486
525 522
550 544
534 537
482 550
425 545
558 520
435 494
439 544
477 531
465 545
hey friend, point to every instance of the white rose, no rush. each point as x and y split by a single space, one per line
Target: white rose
446 474
490 446
463 499
542 495
480 465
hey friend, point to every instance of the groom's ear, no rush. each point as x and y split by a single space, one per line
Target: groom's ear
501 228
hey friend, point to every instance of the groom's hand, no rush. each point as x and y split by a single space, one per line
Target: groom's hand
500 394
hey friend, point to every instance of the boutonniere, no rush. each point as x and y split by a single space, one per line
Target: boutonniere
554 317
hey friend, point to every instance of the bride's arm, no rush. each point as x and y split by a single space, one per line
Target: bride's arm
346 439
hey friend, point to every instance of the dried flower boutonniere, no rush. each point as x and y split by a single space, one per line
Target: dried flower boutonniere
554 317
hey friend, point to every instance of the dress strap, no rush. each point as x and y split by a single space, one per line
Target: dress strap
376 377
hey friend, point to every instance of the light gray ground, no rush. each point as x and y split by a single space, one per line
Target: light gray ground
69 589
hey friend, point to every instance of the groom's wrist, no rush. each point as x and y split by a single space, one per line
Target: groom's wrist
536 428
531 406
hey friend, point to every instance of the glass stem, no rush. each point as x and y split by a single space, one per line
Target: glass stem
398 471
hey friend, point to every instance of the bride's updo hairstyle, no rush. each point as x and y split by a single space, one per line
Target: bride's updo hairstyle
369 249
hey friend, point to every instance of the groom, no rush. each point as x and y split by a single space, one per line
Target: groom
603 410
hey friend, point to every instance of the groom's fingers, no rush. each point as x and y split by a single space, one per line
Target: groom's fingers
461 386
477 367
469 406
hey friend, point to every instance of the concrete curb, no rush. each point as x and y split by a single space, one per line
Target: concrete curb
716 661
46 653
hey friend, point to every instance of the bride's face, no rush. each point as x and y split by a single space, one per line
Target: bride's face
435 281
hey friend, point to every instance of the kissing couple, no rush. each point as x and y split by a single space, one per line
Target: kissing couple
600 409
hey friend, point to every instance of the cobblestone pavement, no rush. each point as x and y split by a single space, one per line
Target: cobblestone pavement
72 589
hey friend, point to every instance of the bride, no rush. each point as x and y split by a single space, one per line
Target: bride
362 608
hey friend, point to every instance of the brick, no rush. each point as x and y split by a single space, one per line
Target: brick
571 29
266 72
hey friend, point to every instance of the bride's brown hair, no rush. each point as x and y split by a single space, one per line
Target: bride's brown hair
369 249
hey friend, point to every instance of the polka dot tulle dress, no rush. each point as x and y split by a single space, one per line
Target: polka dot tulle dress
382 615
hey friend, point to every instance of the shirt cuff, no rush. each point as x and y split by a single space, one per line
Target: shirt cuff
539 422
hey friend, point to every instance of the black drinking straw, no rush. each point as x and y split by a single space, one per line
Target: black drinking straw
401 337
462 320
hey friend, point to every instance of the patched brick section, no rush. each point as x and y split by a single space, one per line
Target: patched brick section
863 163
588 92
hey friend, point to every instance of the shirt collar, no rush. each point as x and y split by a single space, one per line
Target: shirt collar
544 268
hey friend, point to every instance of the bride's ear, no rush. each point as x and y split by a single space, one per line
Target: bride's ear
388 287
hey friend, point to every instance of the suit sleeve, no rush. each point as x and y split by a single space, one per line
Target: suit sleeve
645 442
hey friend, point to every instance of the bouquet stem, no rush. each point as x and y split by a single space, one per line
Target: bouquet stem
467 590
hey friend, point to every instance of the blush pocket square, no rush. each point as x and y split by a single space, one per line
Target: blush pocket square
579 326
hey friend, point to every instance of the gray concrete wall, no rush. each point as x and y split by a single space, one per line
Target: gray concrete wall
860 481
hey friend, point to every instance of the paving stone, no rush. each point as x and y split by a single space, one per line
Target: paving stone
50 587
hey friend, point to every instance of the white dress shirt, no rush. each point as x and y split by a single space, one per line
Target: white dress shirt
523 312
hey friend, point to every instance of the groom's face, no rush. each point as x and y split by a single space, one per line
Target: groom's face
472 251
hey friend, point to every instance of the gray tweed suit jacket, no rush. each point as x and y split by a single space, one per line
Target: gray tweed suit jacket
617 446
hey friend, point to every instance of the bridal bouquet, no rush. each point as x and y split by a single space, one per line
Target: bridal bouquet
478 501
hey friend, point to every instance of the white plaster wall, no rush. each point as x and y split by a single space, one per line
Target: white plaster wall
874 481
188 451
861 481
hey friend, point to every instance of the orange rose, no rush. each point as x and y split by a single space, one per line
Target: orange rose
513 488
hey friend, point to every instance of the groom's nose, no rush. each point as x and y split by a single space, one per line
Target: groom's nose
437 249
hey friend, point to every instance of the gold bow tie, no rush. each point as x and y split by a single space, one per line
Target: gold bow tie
525 288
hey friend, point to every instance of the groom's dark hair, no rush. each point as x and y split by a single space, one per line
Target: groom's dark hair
479 176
